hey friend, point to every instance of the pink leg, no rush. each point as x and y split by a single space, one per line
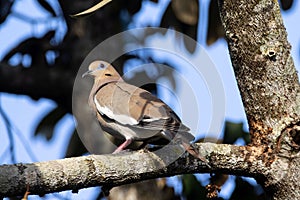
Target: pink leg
123 146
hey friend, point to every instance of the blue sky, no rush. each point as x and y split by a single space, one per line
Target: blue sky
23 111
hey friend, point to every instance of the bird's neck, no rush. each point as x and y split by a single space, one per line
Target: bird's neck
98 84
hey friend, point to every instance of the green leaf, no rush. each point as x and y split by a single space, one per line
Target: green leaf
186 11
5 9
215 29
232 132
182 22
286 4
244 190
47 7
192 188
47 124
133 7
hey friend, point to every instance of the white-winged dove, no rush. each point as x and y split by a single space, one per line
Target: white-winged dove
134 114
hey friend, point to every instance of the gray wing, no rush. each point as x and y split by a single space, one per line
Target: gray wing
130 105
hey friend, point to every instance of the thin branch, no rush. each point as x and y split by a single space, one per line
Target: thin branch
11 128
128 167
25 143
9 133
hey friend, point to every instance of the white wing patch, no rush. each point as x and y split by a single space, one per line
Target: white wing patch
123 119
152 119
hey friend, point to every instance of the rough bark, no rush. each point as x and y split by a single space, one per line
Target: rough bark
114 170
269 86
144 190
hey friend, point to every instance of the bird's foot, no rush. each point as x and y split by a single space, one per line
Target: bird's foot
123 146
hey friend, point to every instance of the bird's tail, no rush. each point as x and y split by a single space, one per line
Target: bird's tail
192 149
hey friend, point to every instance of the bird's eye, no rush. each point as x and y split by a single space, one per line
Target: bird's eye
101 66
108 75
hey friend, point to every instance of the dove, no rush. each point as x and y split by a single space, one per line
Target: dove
130 113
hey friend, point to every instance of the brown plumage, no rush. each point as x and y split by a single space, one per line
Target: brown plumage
131 113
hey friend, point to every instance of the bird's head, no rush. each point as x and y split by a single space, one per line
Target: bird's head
102 70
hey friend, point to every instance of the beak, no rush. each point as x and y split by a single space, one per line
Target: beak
86 73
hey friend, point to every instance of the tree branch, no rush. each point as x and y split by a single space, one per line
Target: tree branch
38 82
263 66
124 168
269 87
